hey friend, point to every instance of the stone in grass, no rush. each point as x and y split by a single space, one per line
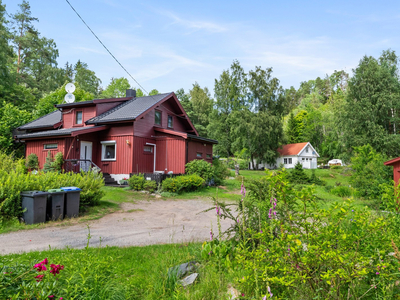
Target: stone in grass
181 270
188 279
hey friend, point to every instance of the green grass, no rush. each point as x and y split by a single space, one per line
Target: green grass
126 273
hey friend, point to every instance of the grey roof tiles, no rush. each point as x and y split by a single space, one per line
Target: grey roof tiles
59 132
128 110
46 121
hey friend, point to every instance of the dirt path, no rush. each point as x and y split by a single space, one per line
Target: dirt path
144 223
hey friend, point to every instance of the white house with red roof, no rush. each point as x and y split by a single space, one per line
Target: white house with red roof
292 153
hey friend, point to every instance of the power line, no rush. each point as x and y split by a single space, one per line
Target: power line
106 47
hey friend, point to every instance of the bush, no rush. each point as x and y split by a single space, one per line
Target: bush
243 164
58 162
32 161
297 175
150 186
136 182
201 168
14 182
184 183
220 172
315 180
49 164
291 248
336 167
341 191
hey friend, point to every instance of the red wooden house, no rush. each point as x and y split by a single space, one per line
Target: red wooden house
120 135
395 163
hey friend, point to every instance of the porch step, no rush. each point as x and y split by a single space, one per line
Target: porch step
108 180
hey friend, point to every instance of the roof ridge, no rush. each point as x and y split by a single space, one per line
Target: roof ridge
42 118
114 109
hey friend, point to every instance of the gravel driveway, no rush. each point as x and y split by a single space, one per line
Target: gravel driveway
151 222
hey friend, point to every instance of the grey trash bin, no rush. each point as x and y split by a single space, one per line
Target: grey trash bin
55 204
34 206
71 201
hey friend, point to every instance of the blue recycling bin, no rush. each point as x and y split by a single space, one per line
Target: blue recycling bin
71 202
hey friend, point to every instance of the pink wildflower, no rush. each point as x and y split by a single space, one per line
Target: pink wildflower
211 235
55 269
39 278
377 273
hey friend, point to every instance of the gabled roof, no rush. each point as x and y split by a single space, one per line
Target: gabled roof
291 149
128 110
392 161
46 121
61 132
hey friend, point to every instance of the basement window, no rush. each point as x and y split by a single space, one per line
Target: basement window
50 146
157 117
78 117
108 150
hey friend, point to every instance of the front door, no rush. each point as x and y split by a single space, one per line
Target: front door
86 155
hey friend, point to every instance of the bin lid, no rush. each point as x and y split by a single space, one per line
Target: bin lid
33 193
55 191
70 188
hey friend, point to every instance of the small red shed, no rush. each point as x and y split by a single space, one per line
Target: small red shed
120 135
395 162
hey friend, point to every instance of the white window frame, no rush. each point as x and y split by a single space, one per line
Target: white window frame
103 150
50 148
285 161
290 160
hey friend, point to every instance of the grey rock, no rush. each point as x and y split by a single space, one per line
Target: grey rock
188 279
181 270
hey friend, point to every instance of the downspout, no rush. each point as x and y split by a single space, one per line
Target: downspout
155 148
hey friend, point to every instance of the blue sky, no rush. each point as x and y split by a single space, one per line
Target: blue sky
169 45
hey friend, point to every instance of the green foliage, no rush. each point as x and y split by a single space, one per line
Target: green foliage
315 180
341 191
150 186
58 161
289 247
32 162
201 168
49 164
220 172
370 172
116 89
136 182
14 179
184 183
297 175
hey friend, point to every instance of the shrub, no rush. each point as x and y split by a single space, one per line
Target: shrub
14 182
297 175
201 168
341 191
336 167
32 161
315 180
150 186
184 183
291 248
220 172
136 182
48 165
58 162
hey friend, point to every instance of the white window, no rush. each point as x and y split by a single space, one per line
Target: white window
307 149
302 158
285 161
78 118
50 146
290 161
108 150
148 149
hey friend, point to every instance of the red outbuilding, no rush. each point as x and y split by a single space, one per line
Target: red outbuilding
151 134
395 162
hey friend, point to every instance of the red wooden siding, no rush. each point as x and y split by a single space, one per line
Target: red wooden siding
142 162
144 126
123 162
69 116
194 147
170 154
37 147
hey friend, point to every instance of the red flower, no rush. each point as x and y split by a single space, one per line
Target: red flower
55 269
51 296
40 267
39 278
44 262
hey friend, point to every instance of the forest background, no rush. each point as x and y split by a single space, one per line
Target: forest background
250 114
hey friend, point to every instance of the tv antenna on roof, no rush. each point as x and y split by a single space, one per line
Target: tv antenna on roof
70 88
